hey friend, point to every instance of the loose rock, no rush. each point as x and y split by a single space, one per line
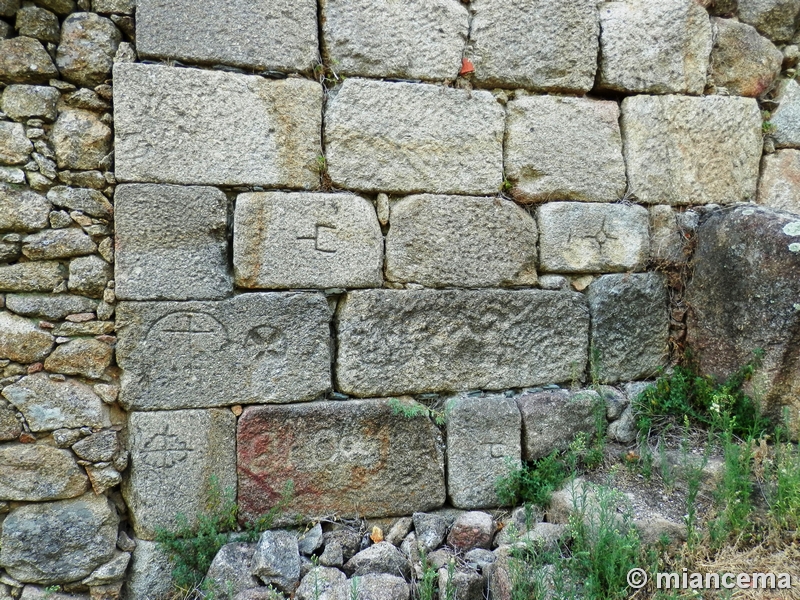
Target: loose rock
380 558
776 19
21 341
81 140
86 52
21 102
24 60
276 560
35 473
230 571
472 530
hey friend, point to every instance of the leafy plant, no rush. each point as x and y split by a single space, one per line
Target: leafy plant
412 410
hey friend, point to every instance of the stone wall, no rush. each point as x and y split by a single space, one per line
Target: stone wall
297 211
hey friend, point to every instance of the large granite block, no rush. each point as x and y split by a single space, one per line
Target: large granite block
414 341
171 243
278 35
407 137
213 128
303 240
355 458
252 348
173 457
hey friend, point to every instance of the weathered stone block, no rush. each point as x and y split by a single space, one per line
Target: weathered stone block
171 243
37 276
150 572
35 472
549 45
22 210
671 233
246 130
87 201
681 150
15 147
630 325
564 149
776 19
38 23
21 340
444 241
125 7
82 356
359 457
277 35
24 60
54 307
483 444
406 137
57 243
56 542
173 456
81 140
656 47
779 186
253 348
302 240
414 341
743 62
89 275
417 39
22 102
48 405
592 238
786 118
86 52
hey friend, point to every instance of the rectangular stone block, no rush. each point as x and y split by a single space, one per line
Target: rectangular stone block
253 348
547 45
302 240
779 186
358 458
682 150
458 241
189 126
414 341
415 39
484 444
408 137
576 237
171 243
564 149
173 456
278 35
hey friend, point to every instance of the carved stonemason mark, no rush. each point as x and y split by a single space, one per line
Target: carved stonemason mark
164 450
319 238
601 237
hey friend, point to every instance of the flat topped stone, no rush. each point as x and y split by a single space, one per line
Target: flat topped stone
277 35
779 186
407 137
786 118
414 341
171 243
190 126
22 210
35 472
252 348
354 458
303 240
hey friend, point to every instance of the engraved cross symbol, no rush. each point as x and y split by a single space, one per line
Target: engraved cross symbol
165 450
318 237
187 324
601 237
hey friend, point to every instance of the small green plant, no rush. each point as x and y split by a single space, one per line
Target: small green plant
767 127
507 186
354 593
733 496
783 491
533 483
322 164
426 586
412 410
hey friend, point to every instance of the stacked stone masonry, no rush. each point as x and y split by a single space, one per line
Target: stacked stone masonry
263 242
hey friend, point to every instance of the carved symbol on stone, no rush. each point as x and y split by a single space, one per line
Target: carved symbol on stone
164 450
265 339
602 236
196 331
319 237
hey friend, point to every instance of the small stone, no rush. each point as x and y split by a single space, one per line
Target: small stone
670 233
80 139
123 7
124 542
624 428
22 102
60 7
86 99
126 53
742 61
38 473
35 592
465 584
399 530
98 447
12 175
8 8
24 60
22 210
81 356
89 276
150 572
64 438
10 426
430 530
311 540
15 147
229 572
553 282
470 530
276 560
320 583
48 306
380 586
779 186
88 201
87 179
379 558
383 209
103 478
21 340
110 572
332 556
108 393
59 219
776 19
106 250
57 243
38 23
785 120
86 52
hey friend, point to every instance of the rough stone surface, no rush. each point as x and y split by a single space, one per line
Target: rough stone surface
89 275
21 340
352 458
22 102
630 325
125 7
81 140
10 426
374 586
38 23
39 276
24 60
277 35
303 240
35 472
405 138
49 405
150 572
624 429
466 585
550 46
785 119
86 52
743 62
56 542
551 419
60 7
560 148
670 233
171 243
320 584
420 39
82 356
483 445
382 557
430 531
8 8
253 348
230 571
98 447
15 147
590 238
87 201
54 307
204 127
172 456
57 243
110 572
457 241
776 19
681 150
747 271
276 560
471 530
779 186
654 47
415 341
22 210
